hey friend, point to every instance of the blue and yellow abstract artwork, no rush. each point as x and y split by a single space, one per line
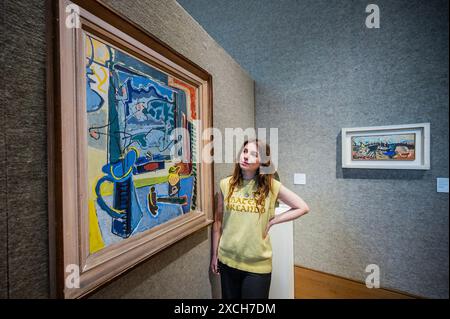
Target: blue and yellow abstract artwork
140 170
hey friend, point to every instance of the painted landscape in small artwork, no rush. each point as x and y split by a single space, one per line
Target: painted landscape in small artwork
393 147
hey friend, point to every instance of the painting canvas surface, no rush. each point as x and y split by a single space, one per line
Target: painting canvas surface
141 141
393 147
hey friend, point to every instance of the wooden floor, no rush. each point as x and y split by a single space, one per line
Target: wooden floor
311 284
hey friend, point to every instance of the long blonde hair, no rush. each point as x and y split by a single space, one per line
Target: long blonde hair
263 181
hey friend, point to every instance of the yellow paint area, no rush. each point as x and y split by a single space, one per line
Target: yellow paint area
95 236
101 52
96 159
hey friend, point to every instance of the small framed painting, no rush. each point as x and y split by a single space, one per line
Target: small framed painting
387 147
126 114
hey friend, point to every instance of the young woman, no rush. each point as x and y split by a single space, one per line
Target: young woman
241 249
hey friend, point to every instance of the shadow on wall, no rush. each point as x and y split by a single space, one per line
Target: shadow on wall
361 173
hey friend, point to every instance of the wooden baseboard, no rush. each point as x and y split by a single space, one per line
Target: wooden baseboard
313 284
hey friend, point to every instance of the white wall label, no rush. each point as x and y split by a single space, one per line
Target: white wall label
442 185
299 179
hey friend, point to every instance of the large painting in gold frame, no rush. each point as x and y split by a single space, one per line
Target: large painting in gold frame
126 178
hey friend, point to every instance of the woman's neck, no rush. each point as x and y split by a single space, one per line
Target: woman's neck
248 175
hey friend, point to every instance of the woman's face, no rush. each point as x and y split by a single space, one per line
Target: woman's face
249 159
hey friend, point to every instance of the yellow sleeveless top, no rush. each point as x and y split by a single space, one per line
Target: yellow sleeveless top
242 245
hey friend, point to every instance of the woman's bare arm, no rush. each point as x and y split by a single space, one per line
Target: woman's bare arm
297 204
217 232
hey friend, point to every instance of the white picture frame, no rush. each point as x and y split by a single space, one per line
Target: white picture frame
418 157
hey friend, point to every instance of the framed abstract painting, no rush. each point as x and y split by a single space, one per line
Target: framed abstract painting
387 147
126 114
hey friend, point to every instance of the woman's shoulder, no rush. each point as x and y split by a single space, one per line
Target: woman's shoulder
226 179
276 184
224 183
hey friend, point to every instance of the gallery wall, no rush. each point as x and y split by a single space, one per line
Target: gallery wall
180 271
317 69
3 223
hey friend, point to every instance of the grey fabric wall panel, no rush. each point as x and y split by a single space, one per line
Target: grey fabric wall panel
3 210
25 133
3 223
317 69
179 271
